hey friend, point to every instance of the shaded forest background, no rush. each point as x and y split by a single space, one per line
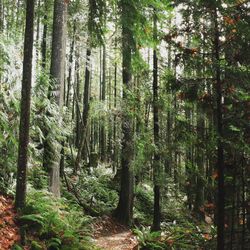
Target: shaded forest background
135 109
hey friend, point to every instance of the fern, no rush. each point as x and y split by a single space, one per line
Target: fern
33 221
60 224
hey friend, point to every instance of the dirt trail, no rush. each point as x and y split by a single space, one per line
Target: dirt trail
110 235
9 233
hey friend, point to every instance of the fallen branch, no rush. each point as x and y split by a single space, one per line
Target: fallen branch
72 189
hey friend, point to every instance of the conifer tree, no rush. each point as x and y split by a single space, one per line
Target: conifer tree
57 77
25 107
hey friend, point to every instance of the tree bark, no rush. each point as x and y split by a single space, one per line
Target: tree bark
38 32
220 149
77 99
103 98
156 164
25 107
44 38
72 48
124 210
57 76
85 113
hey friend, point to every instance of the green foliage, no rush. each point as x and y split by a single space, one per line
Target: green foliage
33 221
143 204
10 70
97 21
38 177
9 109
44 124
149 240
16 247
144 151
35 246
176 237
59 224
187 115
97 189
54 244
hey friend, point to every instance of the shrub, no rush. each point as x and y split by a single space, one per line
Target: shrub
60 225
96 190
176 237
144 204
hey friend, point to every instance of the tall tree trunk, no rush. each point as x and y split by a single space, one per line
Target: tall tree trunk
77 99
72 48
156 164
44 58
1 16
44 38
199 194
110 123
124 210
25 107
38 32
85 113
103 98
220 149
115 161
86 95
57 75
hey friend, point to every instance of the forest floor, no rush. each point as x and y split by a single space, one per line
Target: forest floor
9 232
111 235
108 234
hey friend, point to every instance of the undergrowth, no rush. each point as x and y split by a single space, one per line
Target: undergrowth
179 229
96 189
53 224
176 237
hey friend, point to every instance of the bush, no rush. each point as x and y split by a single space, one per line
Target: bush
144 201
16 247
60 225
38 177
35 246
9 108
176 237
96 190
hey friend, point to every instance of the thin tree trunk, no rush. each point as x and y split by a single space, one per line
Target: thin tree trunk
44 38
85 113
1 17
77 99
103 98
220 150
25 107
156 164
243 236
38 32
115 161
199 197
72 47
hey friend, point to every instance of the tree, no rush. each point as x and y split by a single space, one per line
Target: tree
124 210
95 37
103 98
44 36
57 69
220 149
156 165
25 107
